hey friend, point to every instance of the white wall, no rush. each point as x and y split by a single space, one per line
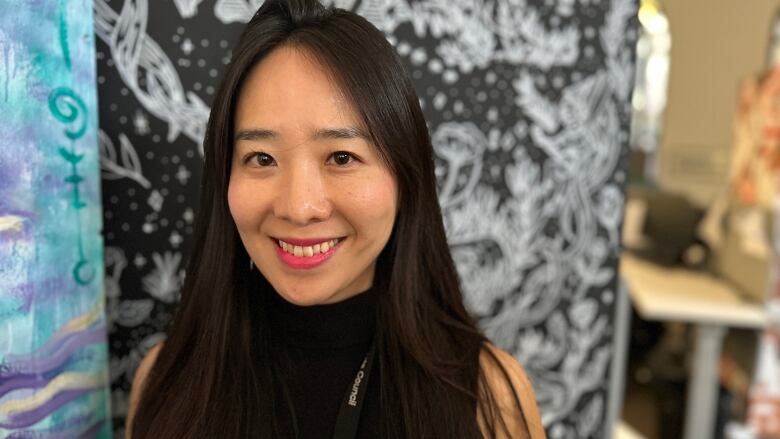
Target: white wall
715 45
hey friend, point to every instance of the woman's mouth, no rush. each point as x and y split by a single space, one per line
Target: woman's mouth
308 250
309 256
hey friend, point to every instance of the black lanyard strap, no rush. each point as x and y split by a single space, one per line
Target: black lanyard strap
349 412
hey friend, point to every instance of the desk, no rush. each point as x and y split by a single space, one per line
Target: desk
676 294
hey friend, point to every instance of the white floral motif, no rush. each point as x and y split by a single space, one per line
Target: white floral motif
164 281
127 165
187 8
461 145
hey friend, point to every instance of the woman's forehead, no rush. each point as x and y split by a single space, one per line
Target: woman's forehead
289 87
278 141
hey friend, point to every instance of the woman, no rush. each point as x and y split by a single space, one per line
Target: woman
321 299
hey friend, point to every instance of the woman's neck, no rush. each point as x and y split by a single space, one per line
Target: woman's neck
341 324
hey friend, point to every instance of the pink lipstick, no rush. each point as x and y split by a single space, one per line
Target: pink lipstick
305 262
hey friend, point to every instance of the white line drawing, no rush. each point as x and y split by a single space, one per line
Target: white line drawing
343 4
136 54
125 367
461 145
187 8
164 281
134 312
115 263
569 191
230 11
127 165
474 35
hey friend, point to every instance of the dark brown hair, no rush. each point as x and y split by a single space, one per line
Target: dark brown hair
213 377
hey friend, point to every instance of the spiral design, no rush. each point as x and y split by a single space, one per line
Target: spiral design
69 109
84 272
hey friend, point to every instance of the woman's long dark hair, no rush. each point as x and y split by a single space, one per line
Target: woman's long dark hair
212 377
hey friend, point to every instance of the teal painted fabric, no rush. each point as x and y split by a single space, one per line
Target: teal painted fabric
53 349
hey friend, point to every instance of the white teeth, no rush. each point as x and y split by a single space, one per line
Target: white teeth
308 251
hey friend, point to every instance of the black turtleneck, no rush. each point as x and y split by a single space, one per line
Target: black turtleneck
321 349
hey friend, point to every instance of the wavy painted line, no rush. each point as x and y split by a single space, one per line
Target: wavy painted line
64 382
27 418
24 382
78 323
85 320
38 365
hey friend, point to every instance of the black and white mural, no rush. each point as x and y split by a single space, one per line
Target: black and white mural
528 107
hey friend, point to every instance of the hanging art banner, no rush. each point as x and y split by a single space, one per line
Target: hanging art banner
53 351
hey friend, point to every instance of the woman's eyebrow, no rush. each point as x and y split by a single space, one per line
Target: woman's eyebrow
340 133
255 134
259 134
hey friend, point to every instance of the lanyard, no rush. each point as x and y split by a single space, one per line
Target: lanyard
349 412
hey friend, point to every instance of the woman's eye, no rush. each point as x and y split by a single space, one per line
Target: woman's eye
261 159
342 158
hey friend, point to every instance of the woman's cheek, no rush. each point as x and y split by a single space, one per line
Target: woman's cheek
238 204
378 207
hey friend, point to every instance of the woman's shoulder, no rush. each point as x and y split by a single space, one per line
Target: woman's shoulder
138 382
509 385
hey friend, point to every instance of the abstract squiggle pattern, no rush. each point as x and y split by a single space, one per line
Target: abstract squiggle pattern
69 108
44 370
61 390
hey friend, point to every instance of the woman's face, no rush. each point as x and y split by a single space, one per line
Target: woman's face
304 172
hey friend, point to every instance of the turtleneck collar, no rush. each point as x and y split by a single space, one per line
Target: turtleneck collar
341 324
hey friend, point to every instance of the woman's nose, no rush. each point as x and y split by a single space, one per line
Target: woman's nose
302 197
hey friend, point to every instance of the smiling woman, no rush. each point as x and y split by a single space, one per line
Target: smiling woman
319 172
305 176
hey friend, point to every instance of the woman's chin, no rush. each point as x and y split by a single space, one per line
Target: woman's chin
305 298
304 301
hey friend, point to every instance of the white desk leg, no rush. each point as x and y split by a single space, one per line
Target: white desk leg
702 395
